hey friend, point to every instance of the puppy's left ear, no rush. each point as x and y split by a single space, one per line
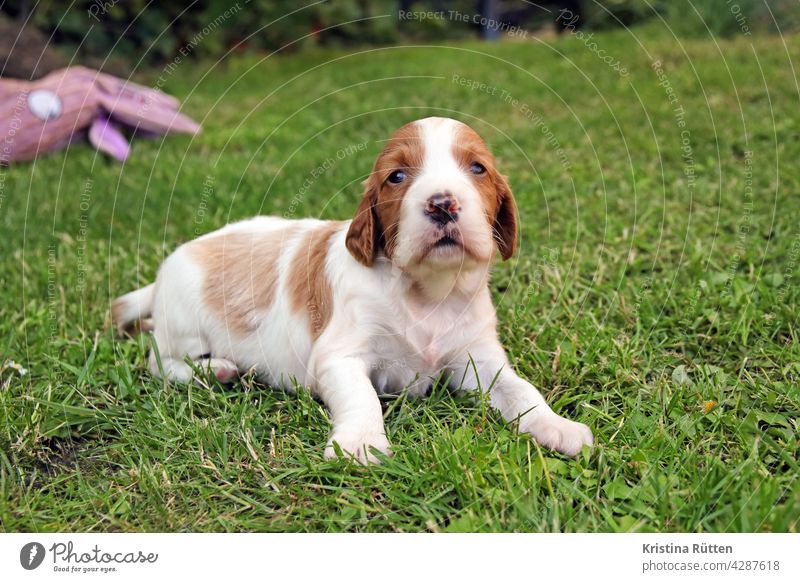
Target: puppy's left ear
362 236
506 230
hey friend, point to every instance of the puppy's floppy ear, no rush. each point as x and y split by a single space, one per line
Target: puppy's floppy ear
362 236
506 231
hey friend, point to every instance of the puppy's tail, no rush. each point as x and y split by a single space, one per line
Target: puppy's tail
131 312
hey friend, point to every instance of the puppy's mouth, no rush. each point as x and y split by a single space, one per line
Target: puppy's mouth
447 244
447 241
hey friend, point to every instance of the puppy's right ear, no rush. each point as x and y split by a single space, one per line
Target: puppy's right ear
362 236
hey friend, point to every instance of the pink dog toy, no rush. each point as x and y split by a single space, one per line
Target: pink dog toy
40 116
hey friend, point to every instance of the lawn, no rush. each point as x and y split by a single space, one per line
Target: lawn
654 297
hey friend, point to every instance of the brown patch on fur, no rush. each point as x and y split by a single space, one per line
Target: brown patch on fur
133 328
307 284
128 327
501 210
241 273
376 221
117 312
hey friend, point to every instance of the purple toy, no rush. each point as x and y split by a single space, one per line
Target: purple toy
39 116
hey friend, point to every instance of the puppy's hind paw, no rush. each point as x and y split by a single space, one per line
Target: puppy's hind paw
224 370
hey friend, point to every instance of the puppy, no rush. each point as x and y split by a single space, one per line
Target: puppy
378 304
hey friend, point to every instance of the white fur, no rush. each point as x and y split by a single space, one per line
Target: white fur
381 337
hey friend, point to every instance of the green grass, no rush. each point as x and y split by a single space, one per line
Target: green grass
646 287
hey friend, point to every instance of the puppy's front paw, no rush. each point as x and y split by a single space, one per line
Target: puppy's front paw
357 443
558 433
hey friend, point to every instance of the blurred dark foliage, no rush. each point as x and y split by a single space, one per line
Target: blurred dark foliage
103 33
117 35
693 18
24 52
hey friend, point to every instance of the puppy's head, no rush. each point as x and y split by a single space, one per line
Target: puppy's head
434 198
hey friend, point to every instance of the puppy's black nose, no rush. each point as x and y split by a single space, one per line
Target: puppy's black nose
442 208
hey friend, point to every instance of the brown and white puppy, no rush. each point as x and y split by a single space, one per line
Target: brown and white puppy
381 303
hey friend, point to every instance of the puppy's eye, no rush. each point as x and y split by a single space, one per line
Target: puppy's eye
397 176
477 168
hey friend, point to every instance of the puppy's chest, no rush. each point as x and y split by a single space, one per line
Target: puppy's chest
416 347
